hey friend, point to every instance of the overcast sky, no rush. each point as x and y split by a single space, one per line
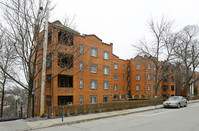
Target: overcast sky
124 22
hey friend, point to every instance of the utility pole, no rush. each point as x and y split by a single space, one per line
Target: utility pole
44 64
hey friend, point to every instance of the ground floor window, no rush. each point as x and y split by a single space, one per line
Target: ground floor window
105 99
65 100
116 97
81 100
93 99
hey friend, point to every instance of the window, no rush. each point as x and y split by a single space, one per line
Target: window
48 60
138 77
164 87
81 66
153 87
93 84
149 77
127 78
105 99
123 67
128 68
154 67
106 85
115 66
149 66
62 82
106 70
115 77
123 77
81 49
81 83
93 68
172 87
81 100
65 60
116 97
93 52
149 96
106 55
115 87
93 99
149 87
123 87
137 87
138 67
154 77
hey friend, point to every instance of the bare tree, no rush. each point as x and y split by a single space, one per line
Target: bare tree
187 52
23 21
160 49
7 58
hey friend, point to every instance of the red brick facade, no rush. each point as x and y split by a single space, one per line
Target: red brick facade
96 74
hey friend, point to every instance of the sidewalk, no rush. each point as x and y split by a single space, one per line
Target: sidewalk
25 125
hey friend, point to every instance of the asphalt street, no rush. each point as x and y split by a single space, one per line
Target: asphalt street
183 119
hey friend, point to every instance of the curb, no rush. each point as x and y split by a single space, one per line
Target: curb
97 118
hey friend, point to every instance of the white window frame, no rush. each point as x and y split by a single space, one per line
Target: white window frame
94 52
149 66
81 48
116 77
137 66
93 99
116 66
106 55
149 77
93 68
154 67
149 87
81 83
81 66
93 84
115 87
137 87
106 70
137 77
105 85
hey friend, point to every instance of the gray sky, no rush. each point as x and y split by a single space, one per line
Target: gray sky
124 22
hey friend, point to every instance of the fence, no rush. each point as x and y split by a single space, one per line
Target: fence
93 108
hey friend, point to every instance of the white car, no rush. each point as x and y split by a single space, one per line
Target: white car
175 101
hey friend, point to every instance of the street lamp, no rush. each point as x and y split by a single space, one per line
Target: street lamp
33 103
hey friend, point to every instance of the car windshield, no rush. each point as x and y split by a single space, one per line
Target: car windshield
173 98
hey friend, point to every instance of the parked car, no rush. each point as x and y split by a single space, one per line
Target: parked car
175 101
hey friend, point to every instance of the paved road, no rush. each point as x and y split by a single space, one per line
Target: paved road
184 119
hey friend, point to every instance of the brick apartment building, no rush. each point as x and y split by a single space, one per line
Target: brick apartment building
85 71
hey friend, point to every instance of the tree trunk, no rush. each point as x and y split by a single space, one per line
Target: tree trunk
2 101
29 104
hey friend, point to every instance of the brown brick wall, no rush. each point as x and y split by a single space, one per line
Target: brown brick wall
125 87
